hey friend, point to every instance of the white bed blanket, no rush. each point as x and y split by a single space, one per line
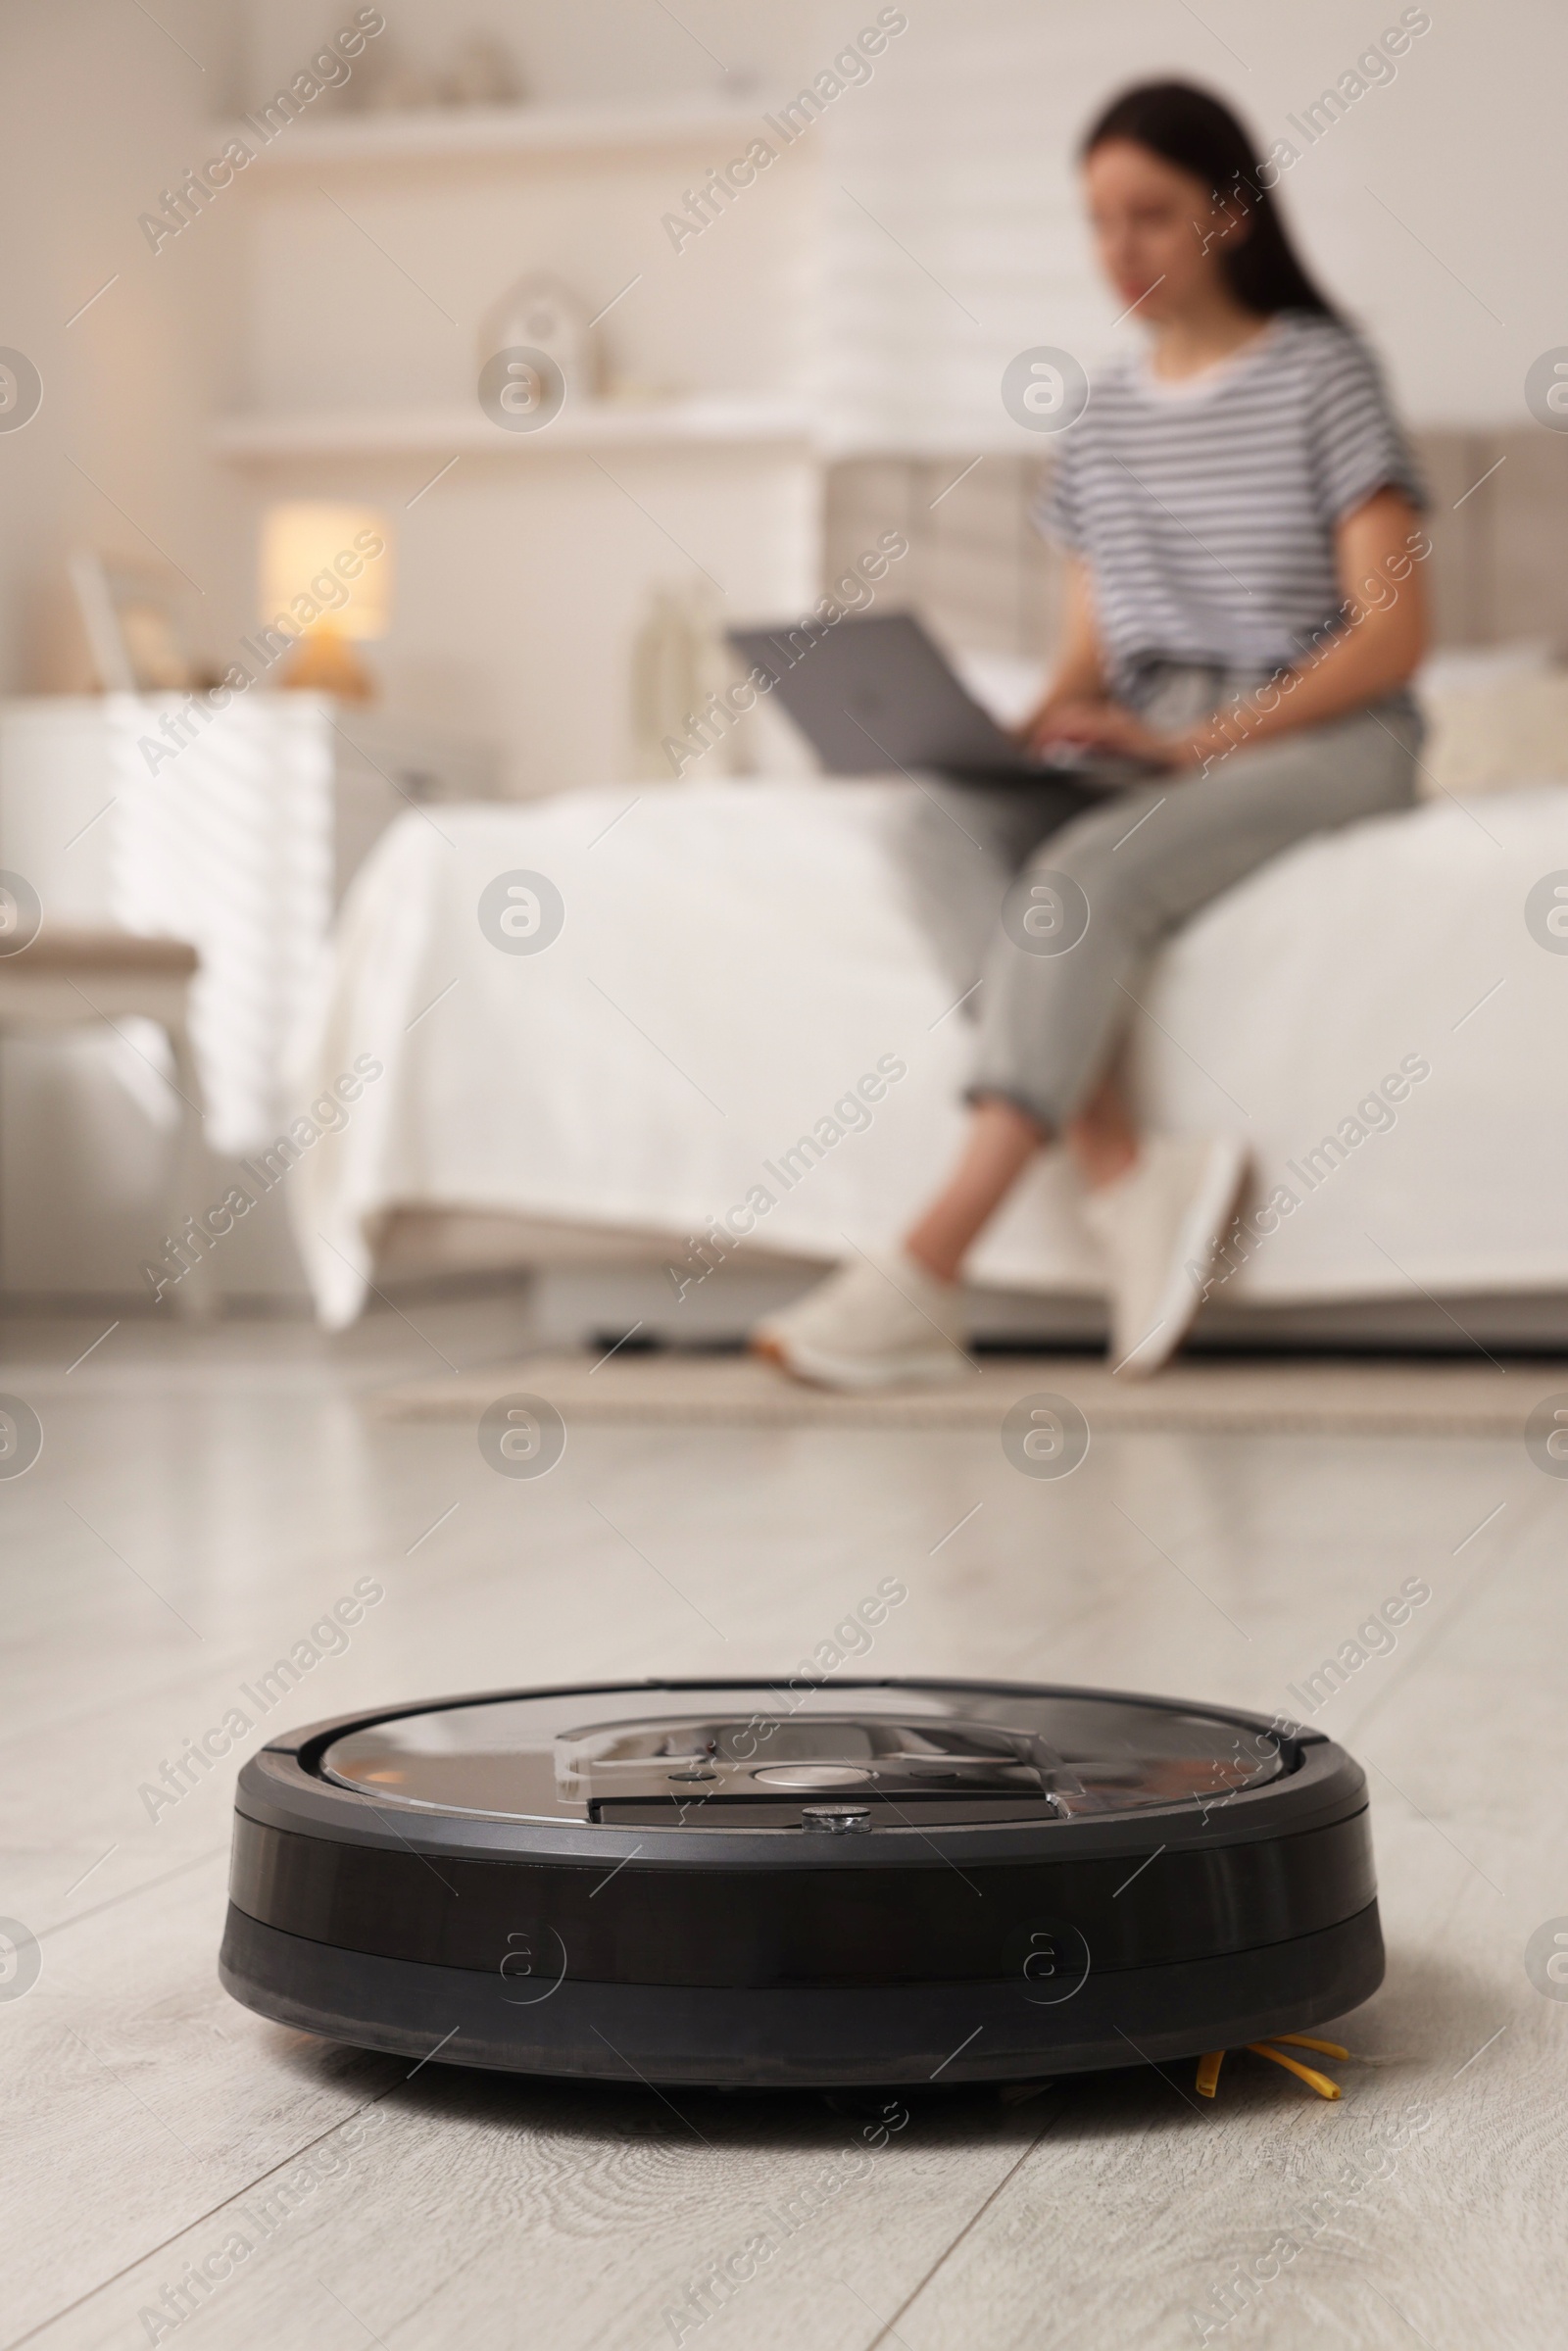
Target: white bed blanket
736 958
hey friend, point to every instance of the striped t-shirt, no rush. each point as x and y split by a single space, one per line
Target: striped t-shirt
1206 511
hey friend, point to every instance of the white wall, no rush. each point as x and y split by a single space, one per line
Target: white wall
961 145
962 149
99 110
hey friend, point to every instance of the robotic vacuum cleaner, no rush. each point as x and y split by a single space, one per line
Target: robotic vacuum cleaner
881 1882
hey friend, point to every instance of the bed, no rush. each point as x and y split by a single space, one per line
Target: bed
742 1058
736 957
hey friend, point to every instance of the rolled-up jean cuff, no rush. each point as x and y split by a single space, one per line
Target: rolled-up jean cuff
1046 1120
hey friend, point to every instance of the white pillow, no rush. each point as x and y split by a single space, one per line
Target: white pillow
1466 668
1499 714
1487 738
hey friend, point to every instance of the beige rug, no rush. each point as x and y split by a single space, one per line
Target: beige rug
1471 1396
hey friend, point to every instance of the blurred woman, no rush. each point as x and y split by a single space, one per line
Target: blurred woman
1240 512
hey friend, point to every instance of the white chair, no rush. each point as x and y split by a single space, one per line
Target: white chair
67 978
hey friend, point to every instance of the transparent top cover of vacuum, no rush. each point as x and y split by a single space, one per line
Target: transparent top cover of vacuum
908 1755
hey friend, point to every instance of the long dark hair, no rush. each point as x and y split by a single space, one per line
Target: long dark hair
1197 134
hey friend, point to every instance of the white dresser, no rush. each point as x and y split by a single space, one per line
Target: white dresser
241 841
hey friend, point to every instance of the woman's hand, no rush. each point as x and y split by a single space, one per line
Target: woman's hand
1101 725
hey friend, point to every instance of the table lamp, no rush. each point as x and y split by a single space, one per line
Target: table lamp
326 577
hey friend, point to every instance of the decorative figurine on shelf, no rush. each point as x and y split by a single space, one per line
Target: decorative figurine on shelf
482 73
542 313
393 86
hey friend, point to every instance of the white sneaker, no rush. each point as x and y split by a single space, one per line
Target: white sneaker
874 1323
1158 1226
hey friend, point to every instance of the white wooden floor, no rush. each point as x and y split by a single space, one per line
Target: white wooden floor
199 1504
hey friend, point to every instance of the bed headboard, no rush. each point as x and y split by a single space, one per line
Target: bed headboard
987 582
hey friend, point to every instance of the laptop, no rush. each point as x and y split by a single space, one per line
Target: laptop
874 693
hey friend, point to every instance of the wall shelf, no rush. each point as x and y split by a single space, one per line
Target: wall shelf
465 430
440 133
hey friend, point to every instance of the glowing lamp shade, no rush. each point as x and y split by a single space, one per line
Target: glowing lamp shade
326 579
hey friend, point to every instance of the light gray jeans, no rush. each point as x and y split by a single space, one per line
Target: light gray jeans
1056 894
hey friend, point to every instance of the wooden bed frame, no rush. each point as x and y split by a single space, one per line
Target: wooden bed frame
987 580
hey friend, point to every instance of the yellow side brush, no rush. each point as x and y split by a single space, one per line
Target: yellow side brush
1208 2067
1304 2040
1303 2072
